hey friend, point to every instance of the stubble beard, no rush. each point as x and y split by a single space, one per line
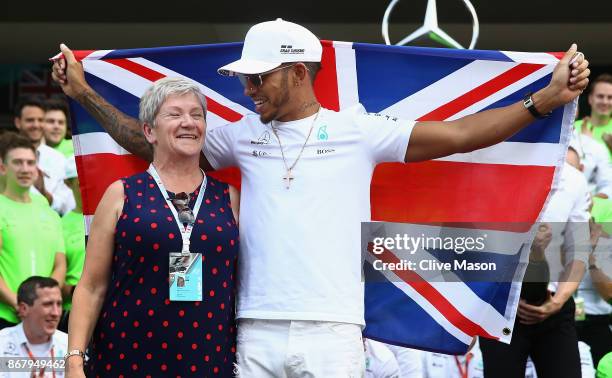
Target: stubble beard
281 100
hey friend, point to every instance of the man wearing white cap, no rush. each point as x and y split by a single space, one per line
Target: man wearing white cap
300 296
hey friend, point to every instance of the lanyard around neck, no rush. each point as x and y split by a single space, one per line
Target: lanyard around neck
185 230
463 370
51 353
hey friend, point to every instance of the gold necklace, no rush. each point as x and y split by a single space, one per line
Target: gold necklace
288 177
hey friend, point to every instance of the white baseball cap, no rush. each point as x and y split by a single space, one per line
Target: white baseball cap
269 44
71 169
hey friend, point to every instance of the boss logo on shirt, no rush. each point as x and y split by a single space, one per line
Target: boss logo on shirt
323 151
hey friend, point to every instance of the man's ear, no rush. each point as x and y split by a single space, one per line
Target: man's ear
301 74
17 122
22 310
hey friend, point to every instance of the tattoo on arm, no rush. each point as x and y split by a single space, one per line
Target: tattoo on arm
124 129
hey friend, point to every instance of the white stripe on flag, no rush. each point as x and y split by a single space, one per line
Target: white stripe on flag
206 90
117 76
447 89
98 54
532 58
96 143
424 304
504 92
346 73
513 153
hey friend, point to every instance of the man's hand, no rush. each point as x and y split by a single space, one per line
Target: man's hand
540 242
39 184
529 314
69 74
569 79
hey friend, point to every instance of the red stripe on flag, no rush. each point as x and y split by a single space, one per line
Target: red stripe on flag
104 169
482 91
137 69
558 55
101 171
326 83
82 54
440 191
222 111
152 75
433 296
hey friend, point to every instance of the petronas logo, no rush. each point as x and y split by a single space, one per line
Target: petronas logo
322 133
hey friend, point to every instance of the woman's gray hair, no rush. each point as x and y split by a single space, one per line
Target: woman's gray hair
154 97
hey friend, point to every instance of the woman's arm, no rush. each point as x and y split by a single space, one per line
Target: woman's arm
91 289
235 199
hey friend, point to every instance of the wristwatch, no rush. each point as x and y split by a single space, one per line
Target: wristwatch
74 352
529 105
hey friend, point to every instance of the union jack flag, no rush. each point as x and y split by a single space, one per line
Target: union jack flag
506 185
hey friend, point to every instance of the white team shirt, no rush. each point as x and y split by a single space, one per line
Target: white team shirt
12 350
53 164
300 247
380 361
597 167
567 212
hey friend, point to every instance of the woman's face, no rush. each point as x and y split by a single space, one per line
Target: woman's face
179 127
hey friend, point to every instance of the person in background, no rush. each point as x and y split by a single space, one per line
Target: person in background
31 242
380 361
56 126
594 294
36 338
73 226
29 120
598 124
544 328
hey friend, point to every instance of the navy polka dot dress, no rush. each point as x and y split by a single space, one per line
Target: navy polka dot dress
140 333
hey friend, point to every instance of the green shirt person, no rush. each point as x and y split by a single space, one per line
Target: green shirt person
56 126
599 123
73 225
30 231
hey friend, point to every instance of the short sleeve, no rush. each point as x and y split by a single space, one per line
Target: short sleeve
385 136
577 234
219 146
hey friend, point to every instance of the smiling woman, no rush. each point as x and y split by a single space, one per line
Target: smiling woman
142 224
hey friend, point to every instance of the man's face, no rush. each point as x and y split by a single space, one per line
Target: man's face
20 168
30 123
272 97
600 99
43 316
55 127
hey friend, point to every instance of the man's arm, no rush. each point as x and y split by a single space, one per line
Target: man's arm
430 140
601 281
125 130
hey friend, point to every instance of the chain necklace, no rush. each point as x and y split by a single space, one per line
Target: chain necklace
289 169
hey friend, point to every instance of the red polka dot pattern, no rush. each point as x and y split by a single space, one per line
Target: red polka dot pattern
140 331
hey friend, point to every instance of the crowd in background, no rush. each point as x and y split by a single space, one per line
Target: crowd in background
42 235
